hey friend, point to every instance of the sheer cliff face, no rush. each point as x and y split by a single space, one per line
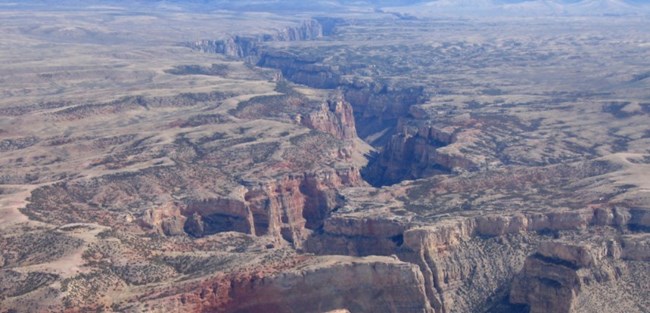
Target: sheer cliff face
469 261
564 276
301 70
248 46
417 153
353 285
290 208
493 249
335 117
379 107
546 283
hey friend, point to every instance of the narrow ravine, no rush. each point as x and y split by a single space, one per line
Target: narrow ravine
380 111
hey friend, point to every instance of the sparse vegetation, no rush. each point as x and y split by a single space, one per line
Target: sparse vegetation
140 171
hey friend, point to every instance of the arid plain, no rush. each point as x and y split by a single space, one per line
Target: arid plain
163 158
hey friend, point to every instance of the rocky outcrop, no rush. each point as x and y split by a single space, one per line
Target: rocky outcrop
493 247
382 100
406 156
212 216
417 153
378 107
431 244
357 237
450 232
335 117
633 247
249 46
548 283
166 220
373 284
288 208
356 285
554 277
300 69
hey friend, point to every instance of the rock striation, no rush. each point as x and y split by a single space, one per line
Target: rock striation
300 69
249 46
555 277
380 106
372 284
493 248
335 117
288 208
422 152
358 285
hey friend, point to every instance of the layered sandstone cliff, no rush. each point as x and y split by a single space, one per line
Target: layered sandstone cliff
417 153
379 106
493 248
301 70
287 208
560 273
248 46
372 284
334 117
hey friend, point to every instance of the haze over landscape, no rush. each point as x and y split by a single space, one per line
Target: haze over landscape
325 156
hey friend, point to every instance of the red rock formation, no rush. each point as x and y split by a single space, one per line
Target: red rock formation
374 100
335 117
454 231
286 208
217 215
352 284
432 243
374 284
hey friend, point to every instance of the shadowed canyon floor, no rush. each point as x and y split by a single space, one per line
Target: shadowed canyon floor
162 158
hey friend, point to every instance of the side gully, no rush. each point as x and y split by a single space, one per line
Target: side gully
379 110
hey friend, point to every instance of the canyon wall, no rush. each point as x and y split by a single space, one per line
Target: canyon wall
493 248
559 273
288 208
334 117
377 106
378 110
373 284
300 70
416 153
357 285
467 263
248 46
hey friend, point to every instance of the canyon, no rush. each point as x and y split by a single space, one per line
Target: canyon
375 162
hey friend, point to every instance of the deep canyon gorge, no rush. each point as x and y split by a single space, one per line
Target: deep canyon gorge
376 162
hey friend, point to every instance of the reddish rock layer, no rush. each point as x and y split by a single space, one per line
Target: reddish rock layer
374 284
288 208
335 117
